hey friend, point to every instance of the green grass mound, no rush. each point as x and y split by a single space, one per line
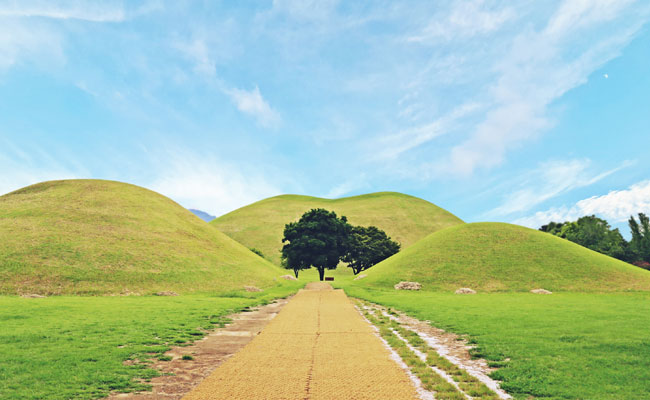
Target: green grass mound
489 257
404 218
96 237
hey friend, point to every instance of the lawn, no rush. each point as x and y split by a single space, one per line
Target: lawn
74 347
570 345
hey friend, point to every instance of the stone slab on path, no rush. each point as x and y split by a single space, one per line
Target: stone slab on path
318 347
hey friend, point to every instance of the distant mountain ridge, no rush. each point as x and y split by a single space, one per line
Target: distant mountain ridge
202 214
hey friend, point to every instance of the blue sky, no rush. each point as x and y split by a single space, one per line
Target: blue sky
521 112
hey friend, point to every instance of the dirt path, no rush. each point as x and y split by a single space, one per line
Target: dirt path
180 376
318 347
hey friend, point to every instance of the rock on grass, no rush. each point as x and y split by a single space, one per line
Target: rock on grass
408 286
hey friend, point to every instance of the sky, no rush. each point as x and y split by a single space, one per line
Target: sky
524 112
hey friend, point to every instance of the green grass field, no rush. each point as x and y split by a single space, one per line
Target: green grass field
562 346
67 347
405 218
588 340
489 257
94 237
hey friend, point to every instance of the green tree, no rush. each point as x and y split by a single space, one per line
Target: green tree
552 227
319 239
368 246
640 243
593 233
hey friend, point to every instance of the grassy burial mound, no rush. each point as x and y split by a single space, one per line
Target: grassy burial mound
489 257
404 218
93 236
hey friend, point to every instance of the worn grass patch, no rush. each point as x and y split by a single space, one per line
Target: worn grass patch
405 219
85 347
571 345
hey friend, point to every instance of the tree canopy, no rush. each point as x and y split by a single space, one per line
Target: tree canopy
640 243
318 239
368 246
321 240
596 234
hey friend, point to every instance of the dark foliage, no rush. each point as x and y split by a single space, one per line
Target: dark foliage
257 251
596 234
318 239
640 243
368 246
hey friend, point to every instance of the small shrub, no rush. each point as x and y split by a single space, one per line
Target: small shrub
257 251
187 357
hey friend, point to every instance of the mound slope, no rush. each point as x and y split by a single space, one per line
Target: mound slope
92 236
502 257
404 218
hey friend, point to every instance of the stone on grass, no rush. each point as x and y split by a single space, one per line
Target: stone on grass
252 289
465 290
167 293
541 291
408 286
289 277
360 277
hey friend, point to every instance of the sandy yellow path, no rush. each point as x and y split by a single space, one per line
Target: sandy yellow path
318 347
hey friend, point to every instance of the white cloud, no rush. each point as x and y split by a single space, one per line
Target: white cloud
253 104
392 146
21 168
539 68
550 180
35 43
199 53
209 185
615 206
94 11
525 68
356 183
305 9
465 19
28 32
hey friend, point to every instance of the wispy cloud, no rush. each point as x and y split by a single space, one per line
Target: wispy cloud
252 103
465 19
95 11
550 180
539 68
527 67
391 146
208 184
305 9
35 43
198 52
358 182
21 168
615 206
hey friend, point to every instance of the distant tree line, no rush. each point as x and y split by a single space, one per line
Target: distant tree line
596 234
321 239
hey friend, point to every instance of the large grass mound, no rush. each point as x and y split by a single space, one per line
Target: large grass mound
92 236
490 257
405 219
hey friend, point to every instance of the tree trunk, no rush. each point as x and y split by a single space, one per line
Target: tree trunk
295 271
321 273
